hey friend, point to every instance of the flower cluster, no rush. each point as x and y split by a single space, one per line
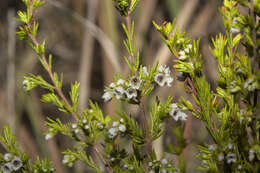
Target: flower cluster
68 160
130 89
118 127
13 163
176 114
163 76
162 166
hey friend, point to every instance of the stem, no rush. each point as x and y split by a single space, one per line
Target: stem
58 90
102 159
148 138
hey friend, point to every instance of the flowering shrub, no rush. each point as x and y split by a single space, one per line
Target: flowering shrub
230 113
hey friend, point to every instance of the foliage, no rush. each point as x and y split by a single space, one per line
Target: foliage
230 113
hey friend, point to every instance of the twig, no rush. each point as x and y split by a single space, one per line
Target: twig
183 18
59 91
102 159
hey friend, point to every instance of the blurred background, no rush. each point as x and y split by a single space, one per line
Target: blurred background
85 37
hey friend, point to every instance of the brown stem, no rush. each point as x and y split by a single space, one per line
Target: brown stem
110 170
148 138
58 90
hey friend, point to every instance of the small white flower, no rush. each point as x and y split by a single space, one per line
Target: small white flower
112 133
150 164
164 161
135 82
169 80
7 157
131 168
164 69
220 157
16 163
212 147
84 121
112 159
112 85
107 96
122 128
120 81
76 131
86 127
177 114
121 120
131 93
7 168
239 167
251 156
74 125
119 91
160 79
189 46
25 84
164 171
144 70
234 30
48 136
230 146
182 55
115 124
231 158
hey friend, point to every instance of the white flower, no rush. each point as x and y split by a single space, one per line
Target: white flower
25 84
230 146
189 46
120 81
48 136
107 96
122 128
135 82
164 161
7 157
177 114
160 79
150 164
119 91
169 80
231 158
180 116
239 167
220 157
86 127
163 77
16 163
112 133
164 69
115 124
121 120
164 171
234 30
182 55
251 156
144 70
112 85
131 93
84 121
76 131
7 168
74 125
212 147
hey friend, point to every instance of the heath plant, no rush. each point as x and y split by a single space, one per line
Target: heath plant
230 112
